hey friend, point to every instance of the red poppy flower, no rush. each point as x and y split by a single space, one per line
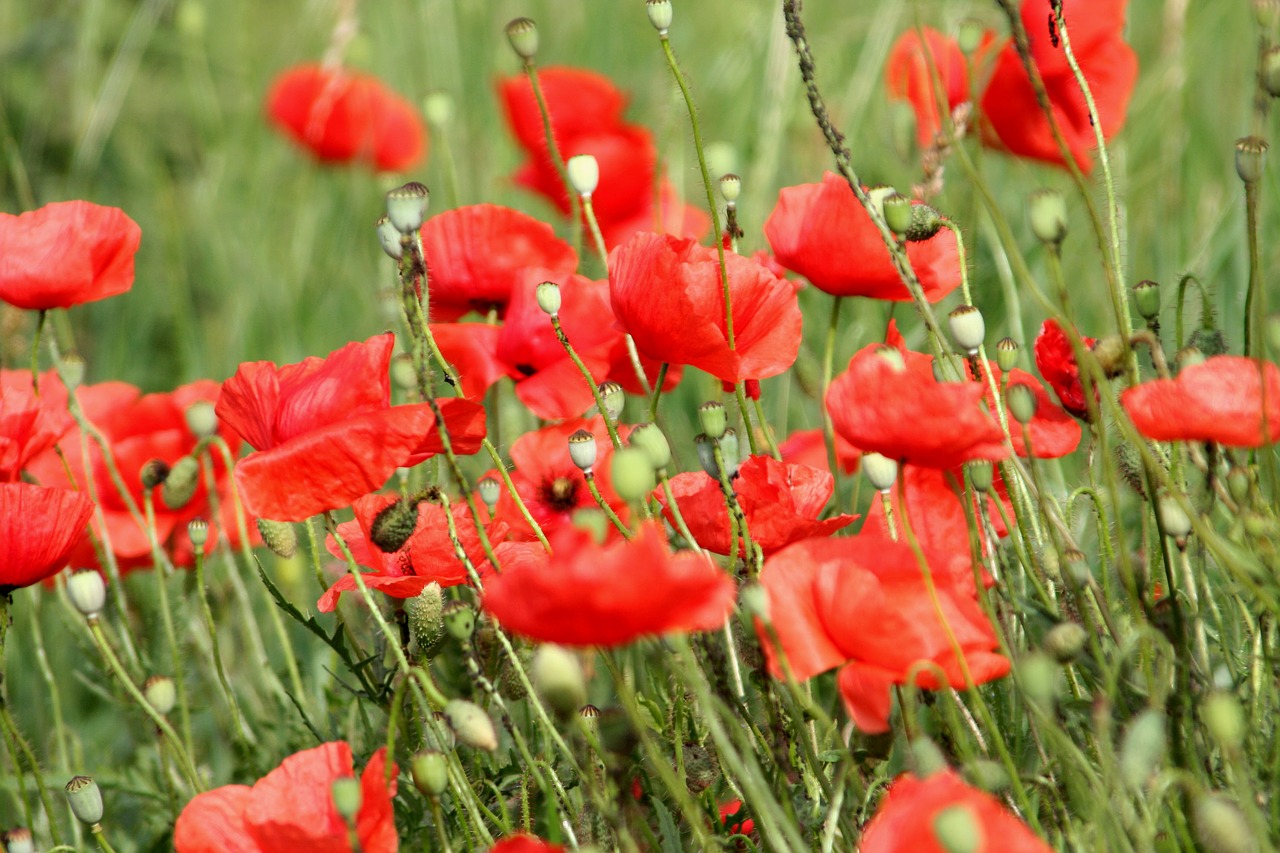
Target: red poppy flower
291 808
65 254
862 603
821 232
667 294
29 425
1056 361
524 844
325 433
734 820
1222 399
608 595
909 77
782 503
903 413
478 254
1054 433
39 528
1014 120
809 447
905 819
341 116
426 556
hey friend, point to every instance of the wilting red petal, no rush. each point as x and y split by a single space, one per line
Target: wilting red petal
1056 361
1222 399
65 254
608 595
909 76
905 819
39 527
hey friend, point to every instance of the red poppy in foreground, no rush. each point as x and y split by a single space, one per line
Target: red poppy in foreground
1056 361
1013 119
39 528
608 595
821 232
862 604
899 410
325 432
910 72
525 844
291 808
667 295
1222 399
29 425
65 254
904 822
341 116
782 504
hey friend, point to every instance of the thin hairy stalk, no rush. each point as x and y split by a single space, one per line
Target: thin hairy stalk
166 619
575 214
591 382
242 731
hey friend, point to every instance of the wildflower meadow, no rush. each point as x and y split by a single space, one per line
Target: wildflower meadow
639 425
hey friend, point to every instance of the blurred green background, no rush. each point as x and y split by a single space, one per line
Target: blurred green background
251 250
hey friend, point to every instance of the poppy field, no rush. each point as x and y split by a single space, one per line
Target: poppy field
534 427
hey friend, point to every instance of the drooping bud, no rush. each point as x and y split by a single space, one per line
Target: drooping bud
471 724
523 35
459 619
706 448
650 438
881 471
1220 827
547 295
394 524
897 213
1006 354
631 473
1225 720
347 798
1022 402
615 398
1146 296
730 188
202 418
430 771
161 693
957 830
153 473
713 418
87 591
981 475
1142 749
1065 641
407 206
582 450
425 612
557 675
925 222
660 14
1210 342
389 238
437 108
1047 210
584 173
490 491
85 799
279 536
180 486
968 328
1250 158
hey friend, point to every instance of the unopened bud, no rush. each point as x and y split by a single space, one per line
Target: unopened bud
556 674
925 222
713 418
660 14
1224 719
1065 641
279 536
425 612
85 799
523 35
547 295
967 328
471 724
1022 402
881 471
430 771
1250 156
584 173
650 438
981 475
459 620
202 418
407 206
393 525
1006 354
347 798
631 473
730 188
957 830
490 491
1047 210
87 591
437 108
1143 747
1146 296
1220 826
897 213
877 194
1173 519
1038 676
160 693
180 486
582 450
153 473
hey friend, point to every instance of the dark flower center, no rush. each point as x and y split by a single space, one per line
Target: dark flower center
561 494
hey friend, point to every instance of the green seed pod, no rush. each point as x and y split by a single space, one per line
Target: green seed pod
729 452
430 771
347 798
1220 827
201 418
713 419
970 35
18 840
583 171
1225 720
968 328
180 486
1006 354
407 206
471 724
660 14
522 33
547 295
1022 402
730 188
85 800
1047 210
880 471
557 675
153 473
459 620
988 775
1040 680
73 368
650 438
614 398
279 536
957 830
753 598
897 214
425 612
1250 158
582 450
87 591
1174 519
1065 641
1238 484
981 475
878 193
631 472
490 491
1143 747
389 238
161 694
1146 296
706 448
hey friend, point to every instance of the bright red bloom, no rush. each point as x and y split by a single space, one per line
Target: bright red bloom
782 504
341 116
862 603
904 821
667 294
1056 361
608 595
325 431
291 808
65 254
903 413
1222 399
478 254
909 77
29 425
809 447
821 232
524 844
39 528
426 556
1013 119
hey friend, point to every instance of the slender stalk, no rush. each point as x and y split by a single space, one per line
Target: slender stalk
575 216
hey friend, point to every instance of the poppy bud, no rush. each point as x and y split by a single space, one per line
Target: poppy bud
1220 827
547 295
753 598
153 473
180 486
713 418
490 490
730 188
1047 210
523 35
631 472
967 328
1224 719
650 438
430 771
589 713
706 448
1174 520
1006 354
407 206
881 471
1250 155
87 591
981 475
701 767
584 173
471 724
957 830
459 620
85 799
72 370
1146 296
437 108
347 798
969 35
925 222
160 693
393 525
1065 641
1038 676
1142 749
279 537
198 533
614 399
897 213
988 775
925 758
556 674
18 840
1022 402
201 419
582 450
426 618
389 238
1210 342
660 14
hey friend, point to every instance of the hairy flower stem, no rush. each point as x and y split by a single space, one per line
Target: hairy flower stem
243 733
176 658
515 495
1255 293
741 396
575 215
591 382
604 505
657 391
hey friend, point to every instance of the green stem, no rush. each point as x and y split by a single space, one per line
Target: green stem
166 619
575 215
591 382
202 593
